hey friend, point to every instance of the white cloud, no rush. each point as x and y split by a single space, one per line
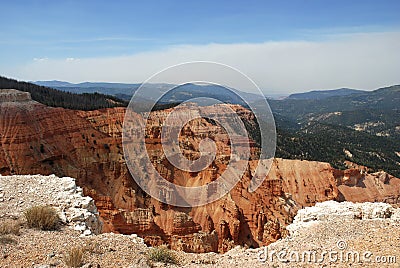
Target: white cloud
40 59
365 61
71 59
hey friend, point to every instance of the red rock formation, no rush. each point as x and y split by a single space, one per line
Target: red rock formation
87 145
371 187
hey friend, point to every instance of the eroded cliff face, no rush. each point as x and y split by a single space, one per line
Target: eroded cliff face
88 146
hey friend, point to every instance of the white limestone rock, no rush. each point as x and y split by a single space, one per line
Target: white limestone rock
332 210
24 191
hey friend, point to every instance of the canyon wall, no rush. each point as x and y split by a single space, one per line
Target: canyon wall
36 139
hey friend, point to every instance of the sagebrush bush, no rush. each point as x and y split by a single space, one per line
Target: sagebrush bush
162 254
74 257
42 217
4 239
10 227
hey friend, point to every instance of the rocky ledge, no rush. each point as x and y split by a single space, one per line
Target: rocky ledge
330 234
331 211
13 95
21 192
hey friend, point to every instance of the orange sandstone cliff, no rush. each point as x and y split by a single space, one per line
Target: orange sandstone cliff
36 139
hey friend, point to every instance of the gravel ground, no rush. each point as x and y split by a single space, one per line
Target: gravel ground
35 248
337 232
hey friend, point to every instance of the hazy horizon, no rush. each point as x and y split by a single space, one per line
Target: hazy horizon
270 92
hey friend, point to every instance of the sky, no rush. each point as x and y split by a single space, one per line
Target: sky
284 46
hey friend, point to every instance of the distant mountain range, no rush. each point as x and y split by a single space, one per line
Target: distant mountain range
119 90
126 91
387 98
63 84
323 94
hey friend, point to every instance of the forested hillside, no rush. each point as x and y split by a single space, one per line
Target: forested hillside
363 128
56 98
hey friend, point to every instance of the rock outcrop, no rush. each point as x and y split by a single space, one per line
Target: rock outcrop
330 211
12 95
36 139
329 234
21 192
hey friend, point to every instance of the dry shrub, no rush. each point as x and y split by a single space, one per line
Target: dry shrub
42 217
10 227
74 257
7 240
162 254
93 247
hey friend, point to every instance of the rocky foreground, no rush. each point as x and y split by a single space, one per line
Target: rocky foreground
329 234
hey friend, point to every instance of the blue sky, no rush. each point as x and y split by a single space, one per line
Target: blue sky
33 31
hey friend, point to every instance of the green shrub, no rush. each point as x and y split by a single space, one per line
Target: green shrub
42 217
